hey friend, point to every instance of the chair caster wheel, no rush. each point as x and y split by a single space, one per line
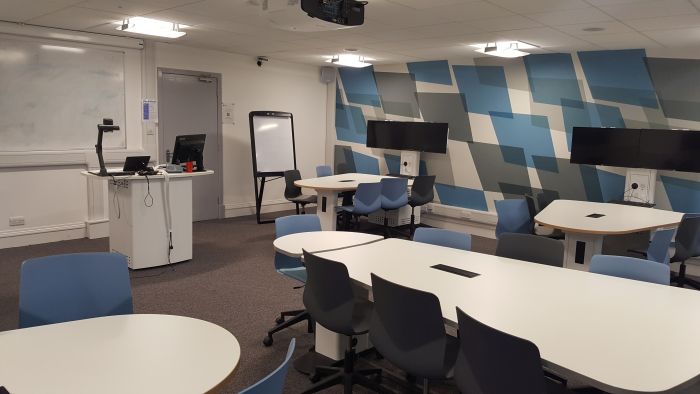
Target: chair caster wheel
267 341
314 377
279 320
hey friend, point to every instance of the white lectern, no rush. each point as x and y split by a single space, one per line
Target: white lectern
150 219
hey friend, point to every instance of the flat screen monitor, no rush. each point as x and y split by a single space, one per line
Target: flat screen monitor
416 136
670 150
189 148
605 146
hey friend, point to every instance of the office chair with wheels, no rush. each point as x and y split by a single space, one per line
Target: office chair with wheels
421 194
292 268
322 171
367 200
493 362
293 193
658 247
67 287
394 196
531 248
274 382
408 330
631 268
329 298
442 237
687 246
543 200
514 216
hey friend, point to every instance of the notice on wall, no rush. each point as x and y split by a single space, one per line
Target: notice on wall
227 113
150 111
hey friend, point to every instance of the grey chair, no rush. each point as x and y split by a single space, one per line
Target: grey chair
687 246
293 193
408 330
493 362
329 299
531 248
421 194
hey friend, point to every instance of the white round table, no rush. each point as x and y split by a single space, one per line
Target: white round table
585 224
321 241
119 354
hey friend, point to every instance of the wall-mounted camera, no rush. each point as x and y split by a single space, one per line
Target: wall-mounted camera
261 60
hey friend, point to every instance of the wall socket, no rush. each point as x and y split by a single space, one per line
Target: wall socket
17 221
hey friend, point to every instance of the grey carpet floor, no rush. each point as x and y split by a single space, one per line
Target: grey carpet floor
230 281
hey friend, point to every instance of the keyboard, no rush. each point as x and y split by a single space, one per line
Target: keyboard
633 203
117 173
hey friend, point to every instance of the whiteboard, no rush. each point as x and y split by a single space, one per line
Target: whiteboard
53 95
273 142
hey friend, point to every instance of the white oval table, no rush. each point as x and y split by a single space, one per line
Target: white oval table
119 354
321 241
585 224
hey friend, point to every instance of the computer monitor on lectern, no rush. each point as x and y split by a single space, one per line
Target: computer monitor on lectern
189 148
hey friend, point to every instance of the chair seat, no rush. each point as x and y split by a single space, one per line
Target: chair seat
303 199
298 273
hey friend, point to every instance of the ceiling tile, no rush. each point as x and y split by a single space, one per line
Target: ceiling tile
130 8
468 11
77 18
506 23
608 28
424 4
570 17
536 6
676 37
544 37
649 9
622 41
22 10
665 23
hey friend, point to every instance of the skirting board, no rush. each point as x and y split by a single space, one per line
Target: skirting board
248 208
40 235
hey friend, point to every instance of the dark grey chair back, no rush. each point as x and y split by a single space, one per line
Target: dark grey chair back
407 328
532 248
687 238
290 190
422 190
328 295
493 362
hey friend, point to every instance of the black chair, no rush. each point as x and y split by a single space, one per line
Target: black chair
408 330
493 362
329 298
543 200
421 194
293 193
687 246
531 248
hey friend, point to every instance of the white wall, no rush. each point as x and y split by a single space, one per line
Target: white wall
278 86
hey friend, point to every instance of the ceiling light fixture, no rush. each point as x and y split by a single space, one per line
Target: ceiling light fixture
348 60
508 49
152 27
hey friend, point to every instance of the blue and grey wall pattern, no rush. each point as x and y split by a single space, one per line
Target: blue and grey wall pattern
511 120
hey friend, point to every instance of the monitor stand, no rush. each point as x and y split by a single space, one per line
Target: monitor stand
410 163
640 185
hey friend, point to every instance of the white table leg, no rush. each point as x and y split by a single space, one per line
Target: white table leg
327 208
579 248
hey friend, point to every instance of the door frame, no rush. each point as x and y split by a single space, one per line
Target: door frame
217 76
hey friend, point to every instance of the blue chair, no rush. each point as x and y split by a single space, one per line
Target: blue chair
67 287
631 268
394 196
368 199
274 382
514 216
442 237
292 268
322 171
658 247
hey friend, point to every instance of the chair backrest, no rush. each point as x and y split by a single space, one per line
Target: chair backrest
531 248
422 189
368 198
66 287
513 217
291 225
545 198
658 248
322 171
342 168
407 328
290 190
631 268
491 361
442 237
394 192
328 295
687 238
274 382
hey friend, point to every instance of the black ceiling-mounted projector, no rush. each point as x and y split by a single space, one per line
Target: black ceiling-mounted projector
342 12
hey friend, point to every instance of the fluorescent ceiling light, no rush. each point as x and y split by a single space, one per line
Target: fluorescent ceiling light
62 48
504 48
349 60
152 27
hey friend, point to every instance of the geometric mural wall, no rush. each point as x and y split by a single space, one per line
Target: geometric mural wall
510 121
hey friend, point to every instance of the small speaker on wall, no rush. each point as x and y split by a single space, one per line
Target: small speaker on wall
327 74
